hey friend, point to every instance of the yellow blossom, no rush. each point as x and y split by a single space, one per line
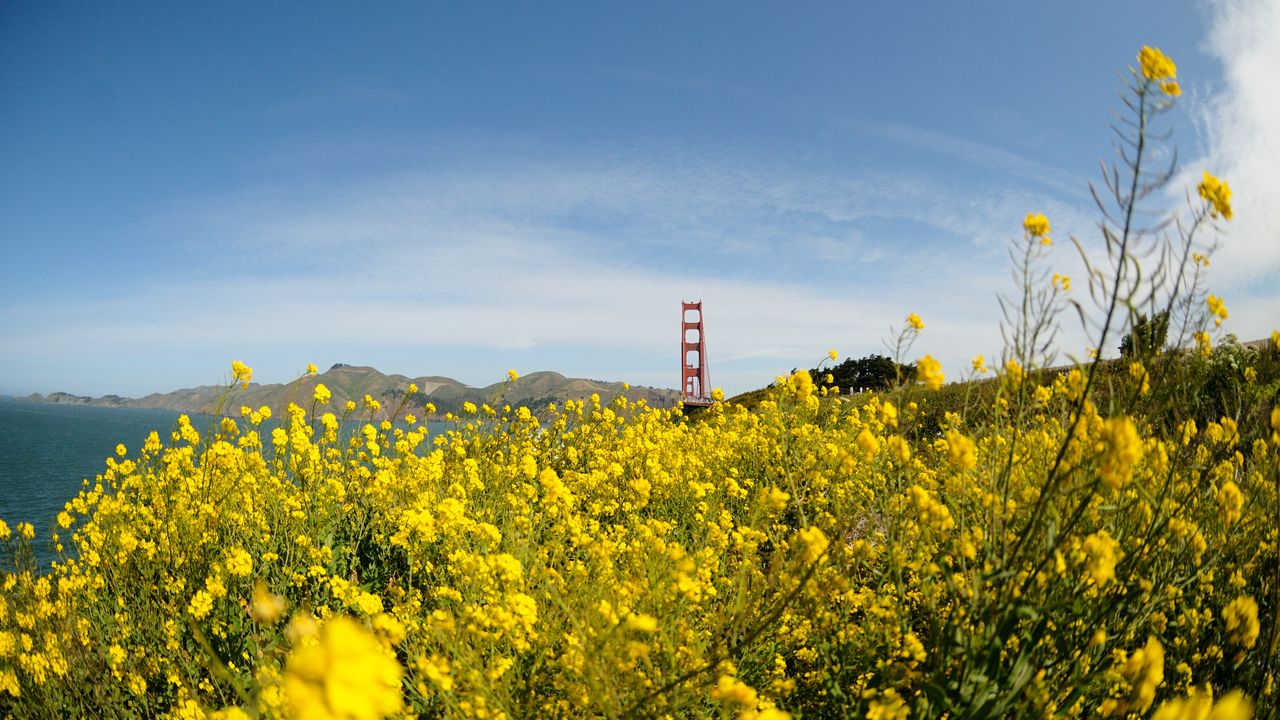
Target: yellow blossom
201 604
1203 342
1120 448
642 622
1103 553
1156 65
241 373
239 562
1217 308
346 674
930 372
1241 616
914 321
961 450
814 542
322 394
266 608
438 671
1200 705
1230 500
1218 194
1014 372
1037 226
1144 670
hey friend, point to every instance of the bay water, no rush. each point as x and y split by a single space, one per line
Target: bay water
47 450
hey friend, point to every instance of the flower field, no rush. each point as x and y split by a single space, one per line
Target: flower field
1080 542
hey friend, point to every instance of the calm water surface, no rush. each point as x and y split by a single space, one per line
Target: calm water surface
47 450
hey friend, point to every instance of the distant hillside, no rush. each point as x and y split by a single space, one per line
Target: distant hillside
351 382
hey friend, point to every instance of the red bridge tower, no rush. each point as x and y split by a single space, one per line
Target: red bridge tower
695 380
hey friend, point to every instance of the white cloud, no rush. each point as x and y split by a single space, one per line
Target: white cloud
566 260
1241 125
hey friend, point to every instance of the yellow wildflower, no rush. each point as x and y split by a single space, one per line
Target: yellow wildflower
266 608
914 321
241 373
1203 342
312 369
1230 500
732 690
346 674
201 604
1121 449
512 375
868 444
1145 672
1102 552
438 671
1013 370
801 384
814 541
930 372
1217 308
1156 65
322 394
1218 193
9 683
961 450
1037 226
1241 616
642 622
1199 705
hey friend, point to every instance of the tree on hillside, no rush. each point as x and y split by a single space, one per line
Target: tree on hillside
873 372
1147 337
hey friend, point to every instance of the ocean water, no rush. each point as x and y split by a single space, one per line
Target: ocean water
46 451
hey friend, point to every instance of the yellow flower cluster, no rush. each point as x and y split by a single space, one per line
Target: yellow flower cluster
345 673
1157 67
241 373
930 372
1218 194
1036 225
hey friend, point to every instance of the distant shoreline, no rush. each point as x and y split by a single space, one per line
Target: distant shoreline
353 383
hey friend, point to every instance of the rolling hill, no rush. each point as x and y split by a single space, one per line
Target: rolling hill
353 382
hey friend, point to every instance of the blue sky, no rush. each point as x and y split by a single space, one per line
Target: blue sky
458 189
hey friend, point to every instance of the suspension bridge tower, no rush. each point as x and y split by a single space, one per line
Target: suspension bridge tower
695 382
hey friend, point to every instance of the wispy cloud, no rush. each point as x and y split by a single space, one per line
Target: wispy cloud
1240 126
587 256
